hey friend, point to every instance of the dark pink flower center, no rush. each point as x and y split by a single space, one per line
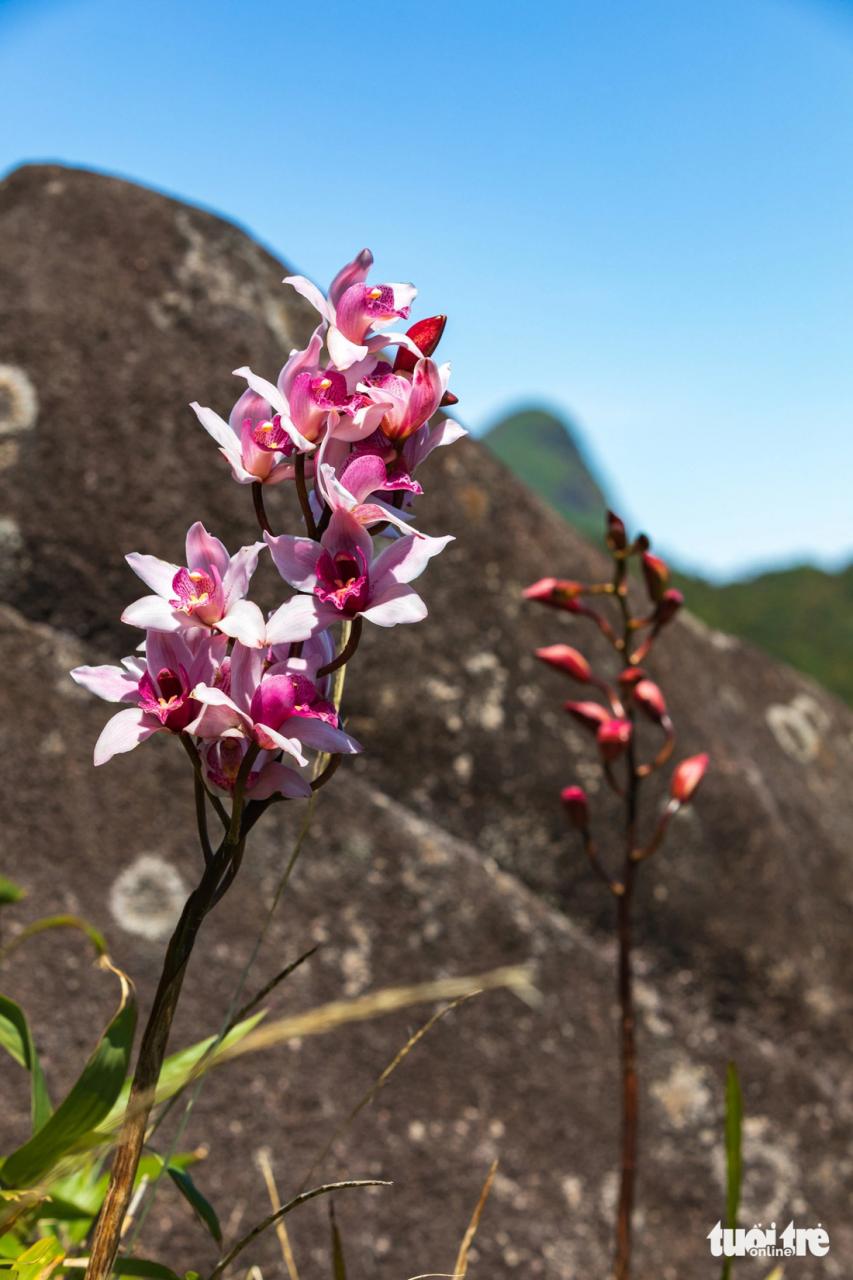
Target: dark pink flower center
193 590
342 580
166 698
271 436
379 302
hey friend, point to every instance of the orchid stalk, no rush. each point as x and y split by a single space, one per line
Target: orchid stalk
255 702
617 719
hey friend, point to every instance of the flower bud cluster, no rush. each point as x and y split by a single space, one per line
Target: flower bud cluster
633 696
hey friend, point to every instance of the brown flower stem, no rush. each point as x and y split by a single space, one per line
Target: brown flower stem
302 494
218 874
346 652
260 509
628 1047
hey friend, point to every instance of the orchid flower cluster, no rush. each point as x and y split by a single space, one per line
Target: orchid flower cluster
614 718
249 696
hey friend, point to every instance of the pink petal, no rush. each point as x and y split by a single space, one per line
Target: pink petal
244 622
113 684
155 613
238 573
124 732
247 667
312 294
322 736
217 427
363 475
405 560
296 559
204 550
342 352
399 604
277 779
300 360
156 574
298 619
353 273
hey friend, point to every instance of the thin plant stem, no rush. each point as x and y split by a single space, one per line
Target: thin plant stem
302 494
260 509
627 1024
347 650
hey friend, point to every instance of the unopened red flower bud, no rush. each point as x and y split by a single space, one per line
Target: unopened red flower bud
576 806
426 335
564 658
590 714
670 602
686 778
631 676
613 737
656 574
447 400
649 698
617 538
559 592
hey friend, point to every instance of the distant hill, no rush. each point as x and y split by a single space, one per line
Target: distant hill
802 615
541 450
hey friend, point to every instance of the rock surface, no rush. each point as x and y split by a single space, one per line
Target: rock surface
440 851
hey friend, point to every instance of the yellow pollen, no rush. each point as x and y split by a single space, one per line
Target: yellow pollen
325 384
375 293
167 702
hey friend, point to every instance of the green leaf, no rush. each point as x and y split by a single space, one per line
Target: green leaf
9 892
199 1203
143 1267
16 1038
733 1127
88 1102
178 1069
39 1260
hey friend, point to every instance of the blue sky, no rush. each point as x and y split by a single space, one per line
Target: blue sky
639 213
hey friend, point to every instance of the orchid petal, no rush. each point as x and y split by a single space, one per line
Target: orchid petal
296 559
322 736
405 559
399 604
124 732
312 294
203 550
244 622
154 613
110 683
156 574
276 779
238 573
217 427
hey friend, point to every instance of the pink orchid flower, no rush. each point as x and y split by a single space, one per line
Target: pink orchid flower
157 685
257 440
354 486
221 762
407 402
402 458
209 591
354 308
275 707
346 580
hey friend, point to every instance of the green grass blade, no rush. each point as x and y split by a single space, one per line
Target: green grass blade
16 1038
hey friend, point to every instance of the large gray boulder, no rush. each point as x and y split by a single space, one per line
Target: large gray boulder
441 850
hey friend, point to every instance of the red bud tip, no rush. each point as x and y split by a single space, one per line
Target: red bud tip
656 574
426 335
576 807
590 714
686 778
631 676
649 698
670 602
613 737
617 539
564 658
447 400
559 592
